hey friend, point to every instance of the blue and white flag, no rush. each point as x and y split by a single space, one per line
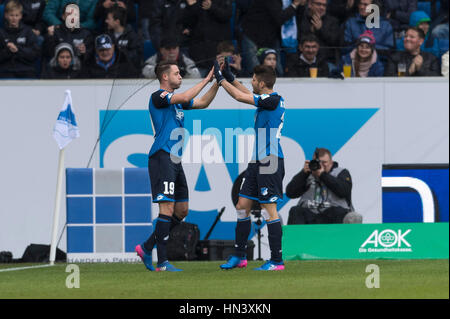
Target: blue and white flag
289 31
66 128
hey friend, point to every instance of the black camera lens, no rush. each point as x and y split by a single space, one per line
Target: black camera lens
314 165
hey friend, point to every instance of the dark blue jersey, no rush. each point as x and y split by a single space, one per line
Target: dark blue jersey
166 118
269 119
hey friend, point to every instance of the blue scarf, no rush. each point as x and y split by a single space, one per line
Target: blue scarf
107 65
289 31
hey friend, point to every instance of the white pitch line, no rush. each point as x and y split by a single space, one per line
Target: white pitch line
21 268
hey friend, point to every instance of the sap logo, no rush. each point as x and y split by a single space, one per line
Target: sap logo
180 115
387 238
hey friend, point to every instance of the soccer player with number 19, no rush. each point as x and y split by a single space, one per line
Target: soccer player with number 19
264 175
167 179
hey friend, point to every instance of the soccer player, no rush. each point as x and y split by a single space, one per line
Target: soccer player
168 182
264 175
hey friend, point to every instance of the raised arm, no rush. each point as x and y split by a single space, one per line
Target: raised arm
188 95
237 94
206 99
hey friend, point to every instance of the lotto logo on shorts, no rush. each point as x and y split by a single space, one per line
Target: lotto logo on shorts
273 199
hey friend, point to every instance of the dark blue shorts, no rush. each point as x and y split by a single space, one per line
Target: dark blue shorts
264 183
167 179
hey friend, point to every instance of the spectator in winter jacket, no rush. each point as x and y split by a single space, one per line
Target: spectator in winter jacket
398 12
364 59
207 23
108 63
417 63
421 20
55 8
267 57
170 51
125 38
384 35
64 65
261 28
103 6
165 18
298 64
18 45
32 14
314 19
341 9
80 38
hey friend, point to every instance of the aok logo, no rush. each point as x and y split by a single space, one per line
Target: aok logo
387 238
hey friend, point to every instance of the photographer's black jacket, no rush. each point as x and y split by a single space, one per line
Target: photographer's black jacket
340 186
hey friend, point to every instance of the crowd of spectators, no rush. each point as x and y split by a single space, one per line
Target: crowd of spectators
292 36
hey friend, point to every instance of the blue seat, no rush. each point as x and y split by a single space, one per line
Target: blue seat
424 6
2 10
149 49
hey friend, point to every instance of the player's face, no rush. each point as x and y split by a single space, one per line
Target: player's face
257 85
13 17
64 59
271 60
174 77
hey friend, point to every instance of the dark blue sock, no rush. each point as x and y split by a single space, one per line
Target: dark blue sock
275 234
243 228
162 231
151 241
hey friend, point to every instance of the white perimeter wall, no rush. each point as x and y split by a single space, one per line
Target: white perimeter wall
412 126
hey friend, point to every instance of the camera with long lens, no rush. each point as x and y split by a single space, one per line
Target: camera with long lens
314 164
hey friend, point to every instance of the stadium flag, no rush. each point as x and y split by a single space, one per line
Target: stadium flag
289 32
66 128
64 131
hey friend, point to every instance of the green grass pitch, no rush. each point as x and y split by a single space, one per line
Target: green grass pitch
204 280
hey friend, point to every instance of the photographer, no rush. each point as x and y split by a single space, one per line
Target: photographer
325 191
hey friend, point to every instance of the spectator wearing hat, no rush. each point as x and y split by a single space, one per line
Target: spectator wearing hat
80 39
355 26
416 62
170 51
268 57
126 39
64 65
18 45
364 59
421 20
307 56
108 63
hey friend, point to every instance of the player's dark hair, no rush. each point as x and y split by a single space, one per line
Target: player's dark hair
163 67
118 13
418 30
266 74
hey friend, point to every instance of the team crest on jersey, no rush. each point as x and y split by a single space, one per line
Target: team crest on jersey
264 191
